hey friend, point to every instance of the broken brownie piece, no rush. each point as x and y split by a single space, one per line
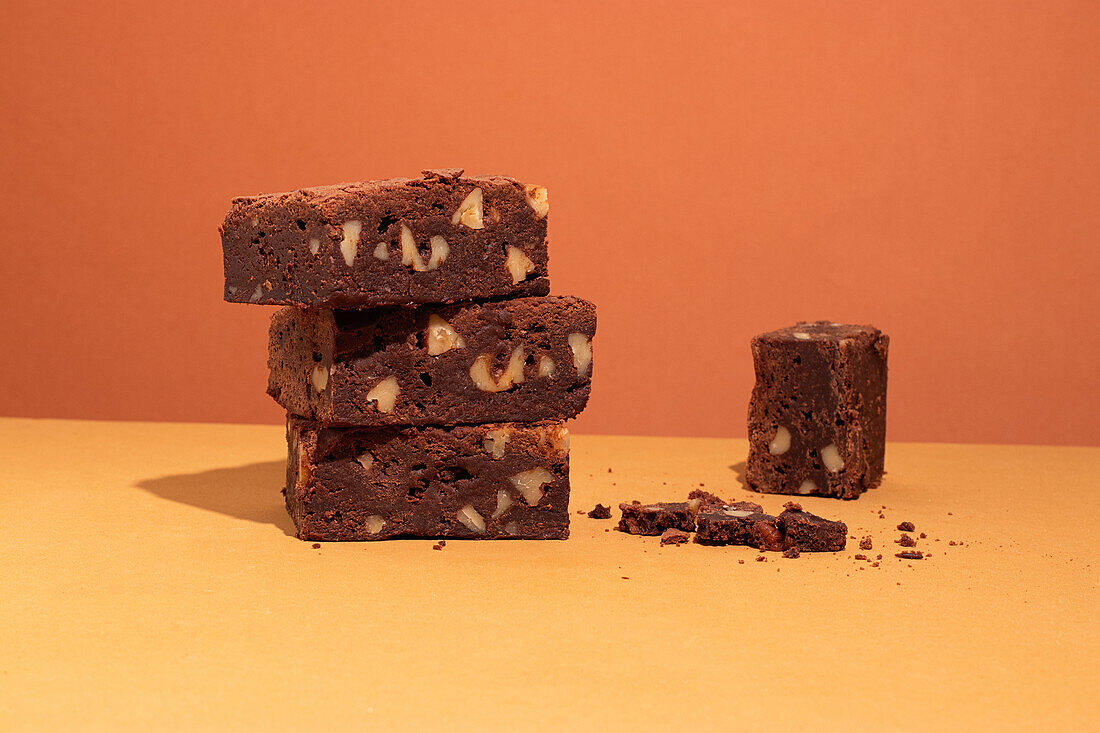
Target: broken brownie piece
811 533
706 499
437 482
437 239
673 536
524 360
740 523
653 519
817 417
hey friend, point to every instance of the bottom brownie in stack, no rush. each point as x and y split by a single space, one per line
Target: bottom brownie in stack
502 480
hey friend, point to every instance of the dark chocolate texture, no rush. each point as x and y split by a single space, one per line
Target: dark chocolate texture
441 238
525 360
811 533
654 519
817 417
495 481
742 523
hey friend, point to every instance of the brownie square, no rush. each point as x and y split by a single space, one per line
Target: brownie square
526 360
817 417
440 238
494 481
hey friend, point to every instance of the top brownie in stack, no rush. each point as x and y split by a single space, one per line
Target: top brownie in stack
442 238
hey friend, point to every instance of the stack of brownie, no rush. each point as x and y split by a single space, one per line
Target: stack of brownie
425 370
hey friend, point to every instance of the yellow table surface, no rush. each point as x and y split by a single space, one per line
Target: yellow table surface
148 577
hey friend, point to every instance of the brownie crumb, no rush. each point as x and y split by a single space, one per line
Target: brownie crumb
878 557
600 512
866 544
740 562
906 541
791 552
923 535
906 527
437 546
316 545
706 499
673 536
793 506
951 543
874 564
861 557
761 558
910 555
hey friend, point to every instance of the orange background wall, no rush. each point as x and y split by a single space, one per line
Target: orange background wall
716 169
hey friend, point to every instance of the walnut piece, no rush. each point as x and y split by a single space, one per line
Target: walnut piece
504 501
801 335
519 264
529 484
582 352
314 245
538 200
554 439
304 473
349 245
366 460
375 524
442 336
547 367
473 521
830 456
319 377
382 251
481 372
385 394
494 442
256 294
807 487
781 443
410 253
511 528
470 211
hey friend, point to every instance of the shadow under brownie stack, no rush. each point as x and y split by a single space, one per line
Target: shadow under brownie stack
425 370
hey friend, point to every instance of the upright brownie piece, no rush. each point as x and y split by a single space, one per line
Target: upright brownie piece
441 238
515 360
817 418
496 481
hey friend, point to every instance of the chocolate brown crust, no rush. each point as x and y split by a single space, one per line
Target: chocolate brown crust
352 352
817 417
293 249
495 481
655 519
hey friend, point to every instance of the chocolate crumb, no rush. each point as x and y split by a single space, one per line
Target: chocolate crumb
910 555
861 557
443 543
865 543
761 558
874 564
793 506
316 545
879 557
906 541
706 499
580 511
923 535
791 552
906 527
952 543
740 562
600 512
673 536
